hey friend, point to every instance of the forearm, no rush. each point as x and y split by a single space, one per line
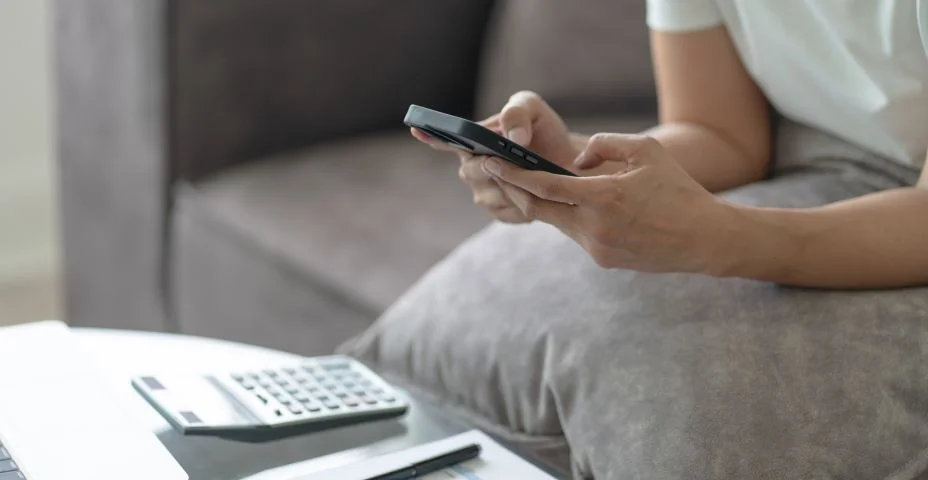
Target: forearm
875 241
713 161
710 159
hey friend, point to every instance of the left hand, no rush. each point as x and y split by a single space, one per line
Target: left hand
649 216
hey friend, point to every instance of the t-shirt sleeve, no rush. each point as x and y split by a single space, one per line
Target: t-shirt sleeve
683 15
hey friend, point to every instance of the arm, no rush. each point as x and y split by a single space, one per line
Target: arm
874 241
713 118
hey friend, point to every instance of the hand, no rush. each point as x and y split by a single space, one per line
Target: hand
649 216
527 120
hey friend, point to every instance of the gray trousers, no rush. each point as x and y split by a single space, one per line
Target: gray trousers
623 375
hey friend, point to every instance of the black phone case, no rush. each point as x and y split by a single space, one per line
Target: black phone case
475 138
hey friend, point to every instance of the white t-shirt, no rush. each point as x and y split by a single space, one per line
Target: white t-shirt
855 68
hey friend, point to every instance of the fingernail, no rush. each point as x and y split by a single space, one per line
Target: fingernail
518 135
491 167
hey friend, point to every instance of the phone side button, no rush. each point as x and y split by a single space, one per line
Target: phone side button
517 152
531 159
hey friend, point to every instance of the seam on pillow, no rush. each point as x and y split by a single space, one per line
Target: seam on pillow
913 468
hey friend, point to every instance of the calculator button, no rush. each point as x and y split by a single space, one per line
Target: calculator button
295 409
255 376
283 382
377 391
271 373
237 377
292 390
322 397
360 392
290 371
313 407
388 399
248 385
329 385
365 382
351 402
332 405
369 400
313 389
348 384
285 401
302 380
307 401
264 383
320 378
301 397
341 394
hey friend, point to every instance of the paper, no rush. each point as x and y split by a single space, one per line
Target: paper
495 463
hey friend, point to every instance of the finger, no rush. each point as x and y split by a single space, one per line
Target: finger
510 215
631 149
492 123
492 198
472 173
558 214
544 185
518 114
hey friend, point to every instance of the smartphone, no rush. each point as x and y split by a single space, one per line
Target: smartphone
477 139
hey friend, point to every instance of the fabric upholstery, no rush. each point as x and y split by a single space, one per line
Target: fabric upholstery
635 375
112 159
368 216
324 238
585 56
254 78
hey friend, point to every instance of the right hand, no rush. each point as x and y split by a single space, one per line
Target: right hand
528 120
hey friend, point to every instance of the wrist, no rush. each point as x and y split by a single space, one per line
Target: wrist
750 242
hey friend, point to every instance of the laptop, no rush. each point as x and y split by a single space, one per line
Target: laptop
60 421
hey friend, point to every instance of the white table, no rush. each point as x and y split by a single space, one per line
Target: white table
124 354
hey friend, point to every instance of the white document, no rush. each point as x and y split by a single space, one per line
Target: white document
60 420
494 463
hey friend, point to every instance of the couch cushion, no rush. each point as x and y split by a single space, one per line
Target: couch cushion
585 56
366 216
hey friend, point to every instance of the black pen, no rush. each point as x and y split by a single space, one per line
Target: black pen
433 464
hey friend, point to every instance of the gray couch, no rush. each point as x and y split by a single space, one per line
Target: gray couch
239 169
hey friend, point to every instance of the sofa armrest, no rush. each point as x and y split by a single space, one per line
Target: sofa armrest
254 77
112 151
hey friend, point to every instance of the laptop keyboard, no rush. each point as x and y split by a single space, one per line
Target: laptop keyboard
8 468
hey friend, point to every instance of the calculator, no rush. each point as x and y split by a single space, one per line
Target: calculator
309 395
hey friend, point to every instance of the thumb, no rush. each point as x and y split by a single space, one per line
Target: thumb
518 115
631 149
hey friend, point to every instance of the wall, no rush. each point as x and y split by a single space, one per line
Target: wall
27 236
28 230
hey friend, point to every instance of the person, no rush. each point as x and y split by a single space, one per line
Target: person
854 69
790 153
